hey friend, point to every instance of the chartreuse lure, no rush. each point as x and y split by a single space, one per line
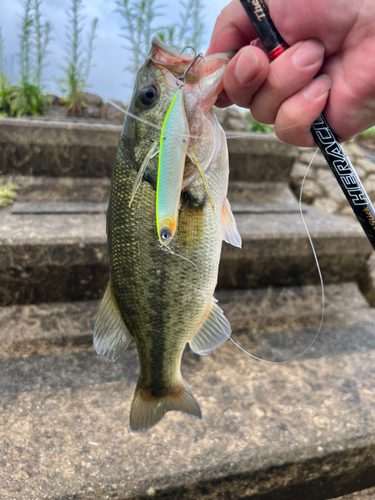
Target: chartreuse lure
174 139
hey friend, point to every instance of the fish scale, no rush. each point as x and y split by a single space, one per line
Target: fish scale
158 295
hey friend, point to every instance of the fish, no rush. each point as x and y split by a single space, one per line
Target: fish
162 296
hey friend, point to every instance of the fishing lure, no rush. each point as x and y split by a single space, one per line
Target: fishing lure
174 141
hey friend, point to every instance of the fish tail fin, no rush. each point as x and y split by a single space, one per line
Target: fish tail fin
147 410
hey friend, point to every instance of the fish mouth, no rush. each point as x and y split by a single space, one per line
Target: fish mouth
177 62
157 42
174 61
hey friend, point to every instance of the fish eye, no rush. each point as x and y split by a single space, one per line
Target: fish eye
149 94
165 234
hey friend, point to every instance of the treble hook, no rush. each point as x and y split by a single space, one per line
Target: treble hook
181 78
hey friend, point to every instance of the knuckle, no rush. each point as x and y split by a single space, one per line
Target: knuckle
275 84
222 18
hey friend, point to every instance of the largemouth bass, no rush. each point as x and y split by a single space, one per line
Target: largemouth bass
163 297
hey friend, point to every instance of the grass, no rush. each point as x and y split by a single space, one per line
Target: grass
7 193
367 134
140 18
190 29
28 97
255 126
5 88
78 60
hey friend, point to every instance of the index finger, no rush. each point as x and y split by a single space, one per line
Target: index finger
232 30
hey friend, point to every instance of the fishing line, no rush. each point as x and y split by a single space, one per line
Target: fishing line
165 248
321 285
229 134
232 135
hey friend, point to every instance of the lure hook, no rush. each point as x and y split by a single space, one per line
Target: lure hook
181 79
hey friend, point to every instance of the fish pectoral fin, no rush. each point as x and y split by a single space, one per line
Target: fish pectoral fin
151 153
111 336
213 332
147 410
230 231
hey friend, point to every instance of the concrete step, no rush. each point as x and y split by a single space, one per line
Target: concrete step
276 251
63 256
77 148
69 189
260 158
56 189
299 430
57 148
367 494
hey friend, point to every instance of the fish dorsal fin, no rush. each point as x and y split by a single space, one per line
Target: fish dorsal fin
214 331
111 335
230 231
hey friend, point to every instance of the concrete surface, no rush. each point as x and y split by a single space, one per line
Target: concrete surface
368 494
58 189
56 148
57 257
299 430
260 158
76 148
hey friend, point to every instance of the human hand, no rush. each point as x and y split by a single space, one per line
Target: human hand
332 38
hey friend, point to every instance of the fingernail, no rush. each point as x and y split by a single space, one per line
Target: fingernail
247 66
308 53
318 87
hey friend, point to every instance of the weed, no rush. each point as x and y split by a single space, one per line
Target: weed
190 29
255 126
5 88
139 20
7 193
139 27
28 97
78 67
366 134
42 38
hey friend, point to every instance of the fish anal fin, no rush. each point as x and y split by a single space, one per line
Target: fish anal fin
111 336
213 332
230 231
147 410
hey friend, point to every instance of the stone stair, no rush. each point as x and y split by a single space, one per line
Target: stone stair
303 429
53 243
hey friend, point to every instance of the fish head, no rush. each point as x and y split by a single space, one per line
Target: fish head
156 84
202 84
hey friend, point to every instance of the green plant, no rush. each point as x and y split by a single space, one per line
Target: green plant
255 126
78 67
42 38
139 27
370 132
5 88
28 97
139 20
7 193
190 29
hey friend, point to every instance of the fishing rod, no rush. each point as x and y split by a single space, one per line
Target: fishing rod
325 138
